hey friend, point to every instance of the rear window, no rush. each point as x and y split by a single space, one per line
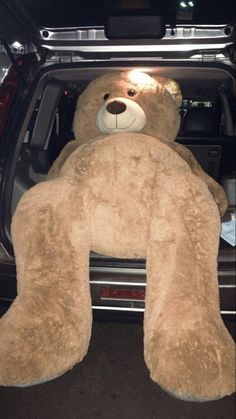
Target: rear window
58 13
196 103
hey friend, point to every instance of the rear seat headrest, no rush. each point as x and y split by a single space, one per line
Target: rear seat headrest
201 121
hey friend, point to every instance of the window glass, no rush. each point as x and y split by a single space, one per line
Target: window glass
4 66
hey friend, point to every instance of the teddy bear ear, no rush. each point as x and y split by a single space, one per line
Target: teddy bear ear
174 89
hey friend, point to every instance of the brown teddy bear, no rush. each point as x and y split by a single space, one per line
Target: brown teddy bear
123 188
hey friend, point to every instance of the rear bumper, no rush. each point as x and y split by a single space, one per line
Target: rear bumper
114 281
128 279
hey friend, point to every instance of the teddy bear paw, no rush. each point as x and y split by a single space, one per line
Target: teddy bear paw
194 366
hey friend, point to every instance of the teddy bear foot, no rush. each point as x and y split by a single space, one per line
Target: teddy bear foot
36 347
43 381
194 365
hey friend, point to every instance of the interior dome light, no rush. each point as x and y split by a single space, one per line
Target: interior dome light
140 79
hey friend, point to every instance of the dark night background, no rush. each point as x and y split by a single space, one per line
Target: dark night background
56 13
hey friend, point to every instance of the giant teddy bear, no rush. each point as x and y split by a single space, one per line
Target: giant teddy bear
123 188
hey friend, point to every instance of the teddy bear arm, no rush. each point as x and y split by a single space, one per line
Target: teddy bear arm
216 190
60 160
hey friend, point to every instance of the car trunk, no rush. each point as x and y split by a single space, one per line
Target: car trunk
46 126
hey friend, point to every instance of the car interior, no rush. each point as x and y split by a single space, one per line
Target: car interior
207 125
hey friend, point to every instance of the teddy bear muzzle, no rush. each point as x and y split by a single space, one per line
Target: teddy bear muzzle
120 114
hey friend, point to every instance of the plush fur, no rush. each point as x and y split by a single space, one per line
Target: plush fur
131 194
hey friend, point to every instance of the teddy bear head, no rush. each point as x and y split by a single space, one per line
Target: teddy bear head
128 101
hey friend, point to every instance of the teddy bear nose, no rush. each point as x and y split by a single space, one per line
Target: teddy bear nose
116 107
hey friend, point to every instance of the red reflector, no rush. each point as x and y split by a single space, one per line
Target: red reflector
122 293
7 92
10 84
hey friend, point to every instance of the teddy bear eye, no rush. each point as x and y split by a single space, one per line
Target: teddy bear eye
131 92
106 96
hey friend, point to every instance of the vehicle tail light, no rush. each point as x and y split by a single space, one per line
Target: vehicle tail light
107 293
10 84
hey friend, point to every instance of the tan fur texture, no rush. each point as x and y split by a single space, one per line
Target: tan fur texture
128 195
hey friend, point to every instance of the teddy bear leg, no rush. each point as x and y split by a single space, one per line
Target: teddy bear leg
187 348
47 329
